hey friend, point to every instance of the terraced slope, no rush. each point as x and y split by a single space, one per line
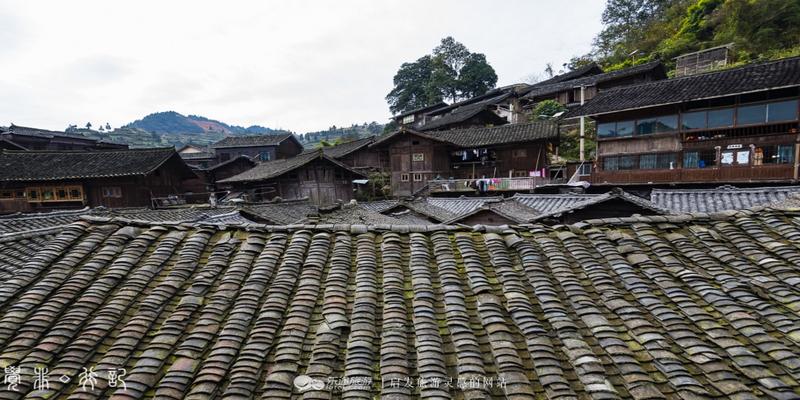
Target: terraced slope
704 306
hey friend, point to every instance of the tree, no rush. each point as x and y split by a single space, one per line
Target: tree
546 109
88 125
451 73
108 126
477 76
412 86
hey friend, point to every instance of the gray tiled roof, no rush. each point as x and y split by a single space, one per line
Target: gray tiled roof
247 141
749 78
671 307
353 215
275 168
59 165
599 199
545 89
546 203
285 212
462 113
379 205
18 222
14 223
345 149
720 199
17 248
491 136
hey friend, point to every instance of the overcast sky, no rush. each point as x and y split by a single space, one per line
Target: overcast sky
297 65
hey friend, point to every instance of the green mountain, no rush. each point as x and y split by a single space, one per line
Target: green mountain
170 128
173 122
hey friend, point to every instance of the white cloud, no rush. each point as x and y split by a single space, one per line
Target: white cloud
300 65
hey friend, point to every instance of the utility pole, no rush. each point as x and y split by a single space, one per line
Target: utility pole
582 158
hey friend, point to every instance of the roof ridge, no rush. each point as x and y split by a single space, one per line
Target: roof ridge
705 73
93 151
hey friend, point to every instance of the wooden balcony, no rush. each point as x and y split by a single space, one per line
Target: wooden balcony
761 173
495 184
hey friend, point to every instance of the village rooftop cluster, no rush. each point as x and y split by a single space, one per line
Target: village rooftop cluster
665 266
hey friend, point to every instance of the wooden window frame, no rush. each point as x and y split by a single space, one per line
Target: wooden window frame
111 192
418 177
404 178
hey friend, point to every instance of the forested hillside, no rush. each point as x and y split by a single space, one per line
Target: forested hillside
173 122
336 135
637 31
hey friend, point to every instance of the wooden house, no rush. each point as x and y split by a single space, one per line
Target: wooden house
734 125
43 139
197 157
259 147
41 180
566 89
359 155
208 178
417 116
311 174
504 158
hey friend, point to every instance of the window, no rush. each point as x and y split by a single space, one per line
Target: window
647 161
519 153
33 194
616 129
7 194
610 163
625 128
20 193
749 115
699 159
693 120
408 119
782 111
585 169
417 177
415 142
112 191
48 194
403 177
627 162
264 156
61 194
666 123
608 129
780 154
720 118
520 174
224 157
418 157
75 192
666 161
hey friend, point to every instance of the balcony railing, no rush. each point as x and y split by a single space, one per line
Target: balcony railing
778 172
491 184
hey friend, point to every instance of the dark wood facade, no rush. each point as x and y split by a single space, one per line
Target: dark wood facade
416 160
320 181
284 149
41 139
737 151
113 192
367 159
